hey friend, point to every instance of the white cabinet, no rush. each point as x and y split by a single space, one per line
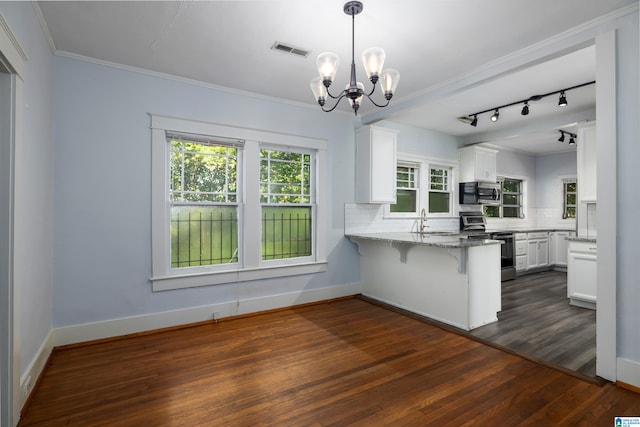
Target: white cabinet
521 252
558 247
537 250
586 163
376 165
477 164
582 273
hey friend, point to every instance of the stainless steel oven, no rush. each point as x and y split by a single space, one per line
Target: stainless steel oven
507 255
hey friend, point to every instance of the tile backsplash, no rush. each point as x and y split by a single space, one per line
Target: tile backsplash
369 218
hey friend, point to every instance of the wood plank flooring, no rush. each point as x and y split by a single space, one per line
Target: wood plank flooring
347 362
536 319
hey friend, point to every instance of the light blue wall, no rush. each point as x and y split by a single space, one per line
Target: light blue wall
518 165
628 132
549 169
33 196
102 208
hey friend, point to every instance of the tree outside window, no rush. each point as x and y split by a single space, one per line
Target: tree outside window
439 190
511 201
406 189
570 197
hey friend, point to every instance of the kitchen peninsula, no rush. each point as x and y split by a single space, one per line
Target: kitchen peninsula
446 277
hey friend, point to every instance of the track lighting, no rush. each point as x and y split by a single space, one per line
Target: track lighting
572 137
472 119
562 102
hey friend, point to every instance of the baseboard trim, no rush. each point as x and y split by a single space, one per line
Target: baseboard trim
628 374
96 331
33 374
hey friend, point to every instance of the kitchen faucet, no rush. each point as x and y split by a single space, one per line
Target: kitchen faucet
423 220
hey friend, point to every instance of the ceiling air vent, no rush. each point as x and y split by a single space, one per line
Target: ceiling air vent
283 47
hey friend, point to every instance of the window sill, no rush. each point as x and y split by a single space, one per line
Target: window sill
166 283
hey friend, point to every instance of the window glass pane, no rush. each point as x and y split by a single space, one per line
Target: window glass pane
439 179
571 186
284 177
510 212
511 186
286 232
203 235
405 177
492 211
438 202
571 212
406 201
571 199
511 199
202 173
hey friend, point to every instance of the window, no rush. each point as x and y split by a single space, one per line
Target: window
511 203
439 192
422 183
406 189
569 193
286 198
232 204
203 197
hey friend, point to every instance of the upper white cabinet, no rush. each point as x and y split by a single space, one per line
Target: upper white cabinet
586 158
477 164
376 165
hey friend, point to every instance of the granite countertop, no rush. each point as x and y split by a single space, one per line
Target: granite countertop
532 230
440 240
582 239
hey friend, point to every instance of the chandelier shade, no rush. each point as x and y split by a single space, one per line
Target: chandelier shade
372 60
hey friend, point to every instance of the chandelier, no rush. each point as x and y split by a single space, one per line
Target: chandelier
373 60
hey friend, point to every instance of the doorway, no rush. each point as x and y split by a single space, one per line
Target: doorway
6 245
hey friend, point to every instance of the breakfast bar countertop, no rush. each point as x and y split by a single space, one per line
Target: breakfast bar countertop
442 240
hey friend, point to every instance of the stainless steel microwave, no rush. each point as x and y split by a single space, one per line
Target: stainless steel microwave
479 193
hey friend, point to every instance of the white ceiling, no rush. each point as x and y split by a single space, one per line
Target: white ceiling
227 44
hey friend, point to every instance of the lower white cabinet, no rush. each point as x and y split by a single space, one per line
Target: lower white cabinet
537 250
521 253
582 273
558 247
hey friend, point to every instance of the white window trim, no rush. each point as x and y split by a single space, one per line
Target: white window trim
562 179
251 267
525 197
425 163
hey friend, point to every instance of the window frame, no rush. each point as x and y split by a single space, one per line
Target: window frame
523 199
250 265
564 180
418 189
312 204
424 165
238 145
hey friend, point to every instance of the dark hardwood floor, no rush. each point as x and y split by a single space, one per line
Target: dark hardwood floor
536 319
347 362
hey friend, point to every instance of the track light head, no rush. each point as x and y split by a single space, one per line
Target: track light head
495 116
572 141
562 102
474 122
525 109
561 139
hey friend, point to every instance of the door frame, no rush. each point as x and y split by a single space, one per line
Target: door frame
12 60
